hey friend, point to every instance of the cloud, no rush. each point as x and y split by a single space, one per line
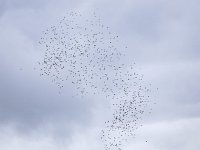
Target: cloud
29 102
163 39
82 139
177 96
168 135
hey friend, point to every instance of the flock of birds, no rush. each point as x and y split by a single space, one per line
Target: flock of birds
86 53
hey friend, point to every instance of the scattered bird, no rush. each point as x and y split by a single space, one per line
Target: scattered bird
86 53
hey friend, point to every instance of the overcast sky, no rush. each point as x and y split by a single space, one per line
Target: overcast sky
163 37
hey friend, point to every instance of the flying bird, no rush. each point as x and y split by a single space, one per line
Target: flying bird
86 53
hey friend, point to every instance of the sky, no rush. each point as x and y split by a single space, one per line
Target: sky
163 39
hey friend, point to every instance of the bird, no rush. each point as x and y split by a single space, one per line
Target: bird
90 56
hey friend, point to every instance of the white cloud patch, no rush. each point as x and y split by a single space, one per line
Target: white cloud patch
168 135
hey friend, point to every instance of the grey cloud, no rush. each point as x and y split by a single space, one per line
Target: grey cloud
17 4
169 31
177 96
163 38
2 7
30 103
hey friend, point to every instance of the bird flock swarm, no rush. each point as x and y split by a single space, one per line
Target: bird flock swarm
86 53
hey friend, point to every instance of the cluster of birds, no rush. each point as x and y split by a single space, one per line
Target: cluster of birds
86 53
